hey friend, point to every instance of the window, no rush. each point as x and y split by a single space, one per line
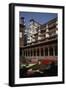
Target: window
46 51
28 53
51 51
37 52
41 51
56 51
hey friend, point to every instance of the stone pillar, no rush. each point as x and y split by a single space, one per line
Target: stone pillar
39 52
30 52
36 51
25 52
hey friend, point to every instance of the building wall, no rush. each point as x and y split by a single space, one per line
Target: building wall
32 31
46 50
22 31
43 41
39 32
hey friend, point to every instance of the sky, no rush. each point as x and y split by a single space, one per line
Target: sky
42 18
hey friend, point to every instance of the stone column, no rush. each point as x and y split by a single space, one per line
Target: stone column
36 51
30 52
39 52
27 52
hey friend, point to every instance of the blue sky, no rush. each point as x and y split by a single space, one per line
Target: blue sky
39 17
